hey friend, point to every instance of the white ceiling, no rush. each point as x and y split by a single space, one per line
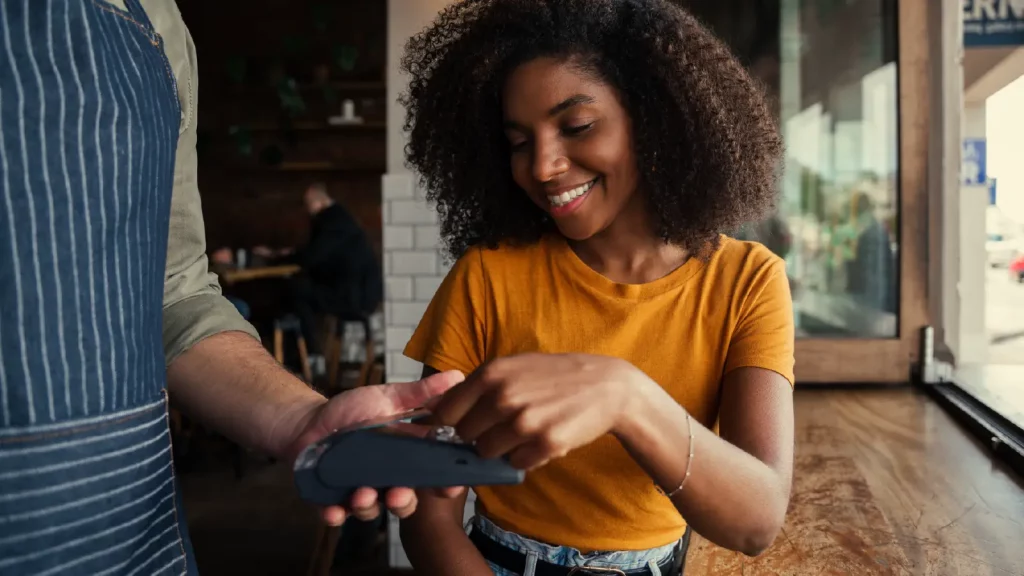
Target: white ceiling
989 70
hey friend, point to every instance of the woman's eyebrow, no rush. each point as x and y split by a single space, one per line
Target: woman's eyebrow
569 102
574 100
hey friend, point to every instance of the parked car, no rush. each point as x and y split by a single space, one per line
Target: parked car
1017 268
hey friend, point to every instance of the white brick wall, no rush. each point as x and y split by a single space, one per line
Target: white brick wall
414 268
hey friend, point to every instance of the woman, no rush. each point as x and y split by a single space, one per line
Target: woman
585 157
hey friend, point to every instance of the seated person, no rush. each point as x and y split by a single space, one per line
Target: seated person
340 272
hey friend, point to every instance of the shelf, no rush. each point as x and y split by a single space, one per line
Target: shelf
302 167
313 126
346 86
339 85
320 167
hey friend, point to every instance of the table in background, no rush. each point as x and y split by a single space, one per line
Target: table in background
237 275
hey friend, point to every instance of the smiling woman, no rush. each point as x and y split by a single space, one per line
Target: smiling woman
705 146
586 157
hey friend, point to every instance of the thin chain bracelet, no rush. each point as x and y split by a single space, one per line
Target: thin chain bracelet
689 462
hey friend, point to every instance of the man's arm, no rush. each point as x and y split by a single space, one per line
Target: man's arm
218 372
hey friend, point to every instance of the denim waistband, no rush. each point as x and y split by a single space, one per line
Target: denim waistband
566 556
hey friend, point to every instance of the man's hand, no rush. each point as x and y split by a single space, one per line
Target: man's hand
363 404
232 385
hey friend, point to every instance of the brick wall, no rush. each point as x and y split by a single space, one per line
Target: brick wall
413 268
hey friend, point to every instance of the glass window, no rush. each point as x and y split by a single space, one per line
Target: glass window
830 66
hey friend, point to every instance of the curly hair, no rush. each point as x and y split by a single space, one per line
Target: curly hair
708 150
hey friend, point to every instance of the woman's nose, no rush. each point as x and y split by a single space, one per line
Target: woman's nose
549 161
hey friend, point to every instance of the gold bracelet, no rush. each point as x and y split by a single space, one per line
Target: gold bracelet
689 461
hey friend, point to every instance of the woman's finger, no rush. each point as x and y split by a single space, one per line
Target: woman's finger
530 455
458 401
499 440
482 417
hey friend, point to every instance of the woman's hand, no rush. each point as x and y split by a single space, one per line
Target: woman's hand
537 407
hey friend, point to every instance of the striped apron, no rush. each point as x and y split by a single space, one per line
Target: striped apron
88 129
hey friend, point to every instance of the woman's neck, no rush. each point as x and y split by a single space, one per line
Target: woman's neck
630 254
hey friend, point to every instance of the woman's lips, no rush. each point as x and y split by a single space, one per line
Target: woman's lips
569 201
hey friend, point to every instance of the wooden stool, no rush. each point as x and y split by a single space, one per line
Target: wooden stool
291 323
335 340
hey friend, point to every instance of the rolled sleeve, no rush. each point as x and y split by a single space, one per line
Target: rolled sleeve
193 306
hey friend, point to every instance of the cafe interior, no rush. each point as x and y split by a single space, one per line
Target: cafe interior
294 124
291 112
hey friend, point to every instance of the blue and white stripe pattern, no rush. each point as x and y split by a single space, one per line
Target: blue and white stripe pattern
89 123
96 497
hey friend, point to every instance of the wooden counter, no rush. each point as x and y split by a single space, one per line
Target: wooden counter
885 482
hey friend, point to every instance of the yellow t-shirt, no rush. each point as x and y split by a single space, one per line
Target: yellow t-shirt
685 331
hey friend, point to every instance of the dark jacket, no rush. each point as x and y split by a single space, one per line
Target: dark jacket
341 263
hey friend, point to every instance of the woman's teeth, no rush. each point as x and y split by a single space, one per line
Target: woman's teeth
566 197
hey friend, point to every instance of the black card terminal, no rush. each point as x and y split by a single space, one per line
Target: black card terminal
390 452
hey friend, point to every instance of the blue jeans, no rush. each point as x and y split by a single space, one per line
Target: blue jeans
565 556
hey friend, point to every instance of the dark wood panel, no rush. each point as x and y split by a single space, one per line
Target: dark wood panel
298 34
257 156
270 211
357 150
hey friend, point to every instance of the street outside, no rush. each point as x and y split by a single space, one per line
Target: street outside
999 383
1004 317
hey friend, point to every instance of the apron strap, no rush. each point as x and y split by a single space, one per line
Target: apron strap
135 9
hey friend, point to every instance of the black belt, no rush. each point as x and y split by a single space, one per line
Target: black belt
515 562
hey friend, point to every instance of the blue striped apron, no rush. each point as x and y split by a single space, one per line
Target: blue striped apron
88 129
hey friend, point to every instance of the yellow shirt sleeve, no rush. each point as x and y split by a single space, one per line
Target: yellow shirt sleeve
453 332
764 335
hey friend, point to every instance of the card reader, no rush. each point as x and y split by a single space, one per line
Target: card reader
397 451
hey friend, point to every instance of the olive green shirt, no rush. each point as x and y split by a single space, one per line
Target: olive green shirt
194 308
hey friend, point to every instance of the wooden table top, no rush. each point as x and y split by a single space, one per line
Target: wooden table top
246 274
